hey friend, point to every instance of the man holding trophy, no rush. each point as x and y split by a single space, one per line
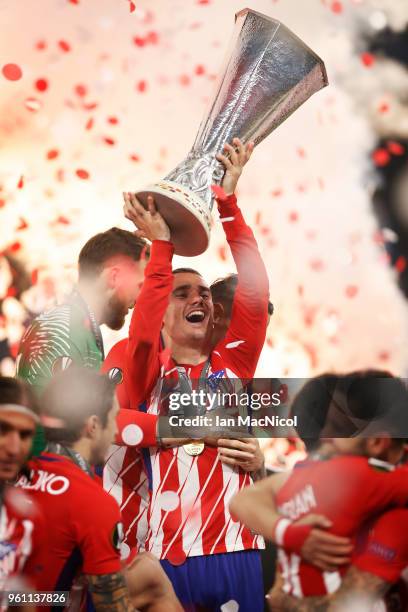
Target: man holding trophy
210 558
190 528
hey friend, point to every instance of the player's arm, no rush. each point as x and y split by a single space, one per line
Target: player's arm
250 306
142 364
255 506
109 593
355 584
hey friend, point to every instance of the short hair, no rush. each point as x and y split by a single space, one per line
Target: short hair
16 391
186 271
101 247
372 396
71 397
223 292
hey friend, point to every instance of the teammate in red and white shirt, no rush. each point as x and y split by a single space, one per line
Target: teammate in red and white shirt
340 488
21 524
188 514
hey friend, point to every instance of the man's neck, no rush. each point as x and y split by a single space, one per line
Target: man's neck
190 355
82 447
90 294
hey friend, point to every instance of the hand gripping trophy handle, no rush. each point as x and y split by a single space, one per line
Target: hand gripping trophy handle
268 74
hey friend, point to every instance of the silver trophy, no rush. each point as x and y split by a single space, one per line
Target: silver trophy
268 74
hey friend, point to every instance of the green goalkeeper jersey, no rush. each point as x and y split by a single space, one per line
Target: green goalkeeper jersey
64 335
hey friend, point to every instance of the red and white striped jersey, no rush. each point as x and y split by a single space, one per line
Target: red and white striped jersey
188 513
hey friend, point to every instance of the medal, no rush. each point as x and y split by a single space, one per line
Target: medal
194 448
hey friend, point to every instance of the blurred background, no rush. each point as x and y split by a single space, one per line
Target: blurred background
101 97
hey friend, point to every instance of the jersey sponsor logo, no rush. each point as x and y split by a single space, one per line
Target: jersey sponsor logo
47 483
299 504
62 363
116 375
378 549
117 536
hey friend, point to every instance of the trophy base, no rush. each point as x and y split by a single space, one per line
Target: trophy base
186 214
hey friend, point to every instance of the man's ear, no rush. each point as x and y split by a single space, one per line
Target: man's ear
378 446
219 313
110 276
92 426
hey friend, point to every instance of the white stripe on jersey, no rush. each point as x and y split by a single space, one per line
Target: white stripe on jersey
190 513
332 581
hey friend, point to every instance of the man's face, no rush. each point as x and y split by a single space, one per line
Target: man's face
189 314
16 436
126 279
106 435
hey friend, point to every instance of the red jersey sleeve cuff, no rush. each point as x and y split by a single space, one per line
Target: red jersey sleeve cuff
227 207
136 428
162 249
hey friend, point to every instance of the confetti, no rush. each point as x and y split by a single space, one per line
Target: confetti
336 7
40 45
64 46
22 225
80 90
184 80
32 104
381 157
89 124
41 85
113 120
20 183
395 148
351 291
141 86
82 174
293 216
52 154
132 7
108 140
367 59
401 264
199 70
134 157
12 72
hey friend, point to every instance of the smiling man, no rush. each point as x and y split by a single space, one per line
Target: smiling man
210 558
110 273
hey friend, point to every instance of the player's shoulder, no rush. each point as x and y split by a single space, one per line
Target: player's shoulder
114 361
359 462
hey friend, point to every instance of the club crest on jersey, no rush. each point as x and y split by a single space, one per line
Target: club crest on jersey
117 536
214 379
116 375
62 363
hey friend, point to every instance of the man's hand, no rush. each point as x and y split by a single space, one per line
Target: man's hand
322 549
244 453
150 223
239 154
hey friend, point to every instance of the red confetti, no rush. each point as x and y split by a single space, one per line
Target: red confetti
41 85
11 291
219 193
32 104
113 120
22 225
317 265
367 59
34 276
203 1
381 157
383 108
74 1
222 253
63 220
277 193
12 72
301 152
400 264
2 203
396 148
141 86
293 216
109 141
132 7
152 38
89 124
134 157
20 183
81 90
351 291
139 41
41 45
52 154
184 79
199 70
383 355
258 217
337 7
300 290
64 46
15 246
82 174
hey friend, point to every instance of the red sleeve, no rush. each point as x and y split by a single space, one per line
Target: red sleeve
384 489
142 365
385 553
115 365
99 533
245 338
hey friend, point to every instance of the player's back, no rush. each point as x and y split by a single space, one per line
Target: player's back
348 490
77 511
